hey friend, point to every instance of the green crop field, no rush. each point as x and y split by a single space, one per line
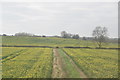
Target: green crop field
96 62
50 41
38 62
27 63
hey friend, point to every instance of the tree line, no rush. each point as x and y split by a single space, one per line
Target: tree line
64 34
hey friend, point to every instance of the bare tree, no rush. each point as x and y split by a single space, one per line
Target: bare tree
100 35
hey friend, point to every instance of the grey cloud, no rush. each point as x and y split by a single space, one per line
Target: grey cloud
52 18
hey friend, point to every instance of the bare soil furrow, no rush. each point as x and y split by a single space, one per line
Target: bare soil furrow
58 71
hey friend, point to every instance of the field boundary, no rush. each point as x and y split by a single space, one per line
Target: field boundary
25 46
59 47
89 47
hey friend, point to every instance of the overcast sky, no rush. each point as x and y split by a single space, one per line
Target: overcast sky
50 18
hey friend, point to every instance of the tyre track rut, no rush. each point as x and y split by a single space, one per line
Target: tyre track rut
58 71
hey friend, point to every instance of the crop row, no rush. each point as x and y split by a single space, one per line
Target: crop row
96 63
34 62
7 51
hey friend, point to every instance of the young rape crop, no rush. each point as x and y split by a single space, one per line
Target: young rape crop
96 63
28 63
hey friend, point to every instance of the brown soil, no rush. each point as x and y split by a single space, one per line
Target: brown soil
58 71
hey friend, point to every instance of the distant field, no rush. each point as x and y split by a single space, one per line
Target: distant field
50 41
